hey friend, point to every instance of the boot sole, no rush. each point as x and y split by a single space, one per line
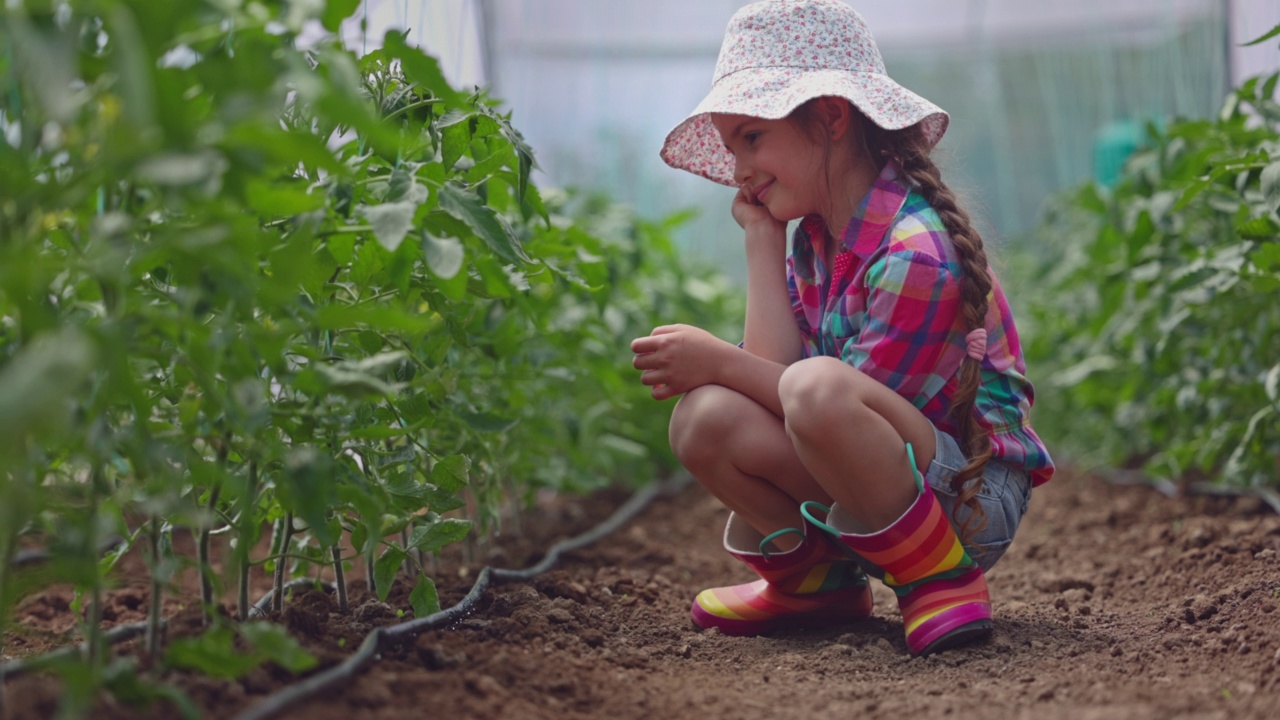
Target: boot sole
972 632
705 621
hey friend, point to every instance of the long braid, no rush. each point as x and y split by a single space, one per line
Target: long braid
910 150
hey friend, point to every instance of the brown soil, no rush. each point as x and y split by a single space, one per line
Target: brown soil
1114 602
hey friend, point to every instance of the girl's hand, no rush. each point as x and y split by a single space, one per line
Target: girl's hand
751 213
678 358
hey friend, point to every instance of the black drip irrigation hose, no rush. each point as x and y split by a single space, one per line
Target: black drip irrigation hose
119 633
262 608
384 638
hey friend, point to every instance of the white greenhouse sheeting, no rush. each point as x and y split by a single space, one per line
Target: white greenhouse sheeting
595 84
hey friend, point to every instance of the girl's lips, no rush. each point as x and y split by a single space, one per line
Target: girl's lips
761 191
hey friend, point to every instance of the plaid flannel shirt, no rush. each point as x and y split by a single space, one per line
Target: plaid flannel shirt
891 308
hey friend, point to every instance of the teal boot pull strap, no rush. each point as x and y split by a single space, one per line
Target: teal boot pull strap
806 510
769 538
911 457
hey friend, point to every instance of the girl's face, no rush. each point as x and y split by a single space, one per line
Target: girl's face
777 164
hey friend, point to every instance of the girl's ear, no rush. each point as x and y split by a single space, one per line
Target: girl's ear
837 114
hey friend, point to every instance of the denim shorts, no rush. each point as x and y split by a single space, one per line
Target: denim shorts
1005 494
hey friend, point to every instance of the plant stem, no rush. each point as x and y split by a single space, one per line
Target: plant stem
407 566
340 579
6 557
157 592
93 631
203 565
242 548
286 532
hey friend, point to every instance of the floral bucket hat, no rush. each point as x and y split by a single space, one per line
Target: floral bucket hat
777 55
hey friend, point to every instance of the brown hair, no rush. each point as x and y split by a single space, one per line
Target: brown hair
909 148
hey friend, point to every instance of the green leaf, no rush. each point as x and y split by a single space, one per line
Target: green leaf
487 422
121 679
1272 33
360 537
487 225
424 599
420 67
1267 257
177 169
273 642
36 384
280 199
350 383
400 184
306 489
452 472
335 11
390 221
385 569
444 255
1269 183
385 317
213 653
342 248
1258 228
446 531
455 136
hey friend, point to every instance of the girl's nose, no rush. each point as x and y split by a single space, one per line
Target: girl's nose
741 174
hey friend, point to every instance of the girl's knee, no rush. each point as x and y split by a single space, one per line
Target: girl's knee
701 424
819 391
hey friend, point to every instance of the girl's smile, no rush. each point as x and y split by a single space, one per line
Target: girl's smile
760 191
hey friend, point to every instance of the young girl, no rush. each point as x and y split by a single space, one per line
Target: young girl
875 418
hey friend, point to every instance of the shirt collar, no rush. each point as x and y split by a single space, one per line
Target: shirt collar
876 212
871 219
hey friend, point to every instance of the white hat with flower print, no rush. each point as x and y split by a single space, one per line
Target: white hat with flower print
777 55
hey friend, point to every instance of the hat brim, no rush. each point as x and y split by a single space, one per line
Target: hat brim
773 93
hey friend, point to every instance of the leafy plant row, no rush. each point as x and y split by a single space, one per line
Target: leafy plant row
246 287
1159 323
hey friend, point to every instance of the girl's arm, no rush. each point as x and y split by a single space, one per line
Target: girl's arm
678 358
771 331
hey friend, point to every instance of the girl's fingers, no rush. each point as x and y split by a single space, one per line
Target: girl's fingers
652 377
646 361
663 392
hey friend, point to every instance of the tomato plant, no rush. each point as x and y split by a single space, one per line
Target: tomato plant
1159 330
248 288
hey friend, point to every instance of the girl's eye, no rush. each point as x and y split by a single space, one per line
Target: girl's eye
751 137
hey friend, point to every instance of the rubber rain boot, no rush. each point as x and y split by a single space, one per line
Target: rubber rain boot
815 584
941 591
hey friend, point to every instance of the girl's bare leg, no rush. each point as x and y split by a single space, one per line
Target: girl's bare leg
850 432
741 453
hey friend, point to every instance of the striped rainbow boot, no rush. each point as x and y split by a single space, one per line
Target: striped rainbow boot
941 591
814 584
